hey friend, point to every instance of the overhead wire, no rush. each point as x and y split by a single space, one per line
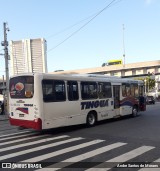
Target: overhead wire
69 27
93 16
75 32
75 24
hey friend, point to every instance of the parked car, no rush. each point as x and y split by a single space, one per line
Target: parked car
150 100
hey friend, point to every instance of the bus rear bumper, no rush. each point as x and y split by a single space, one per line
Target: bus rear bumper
34 124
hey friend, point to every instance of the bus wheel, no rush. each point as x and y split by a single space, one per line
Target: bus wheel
91 119
134 111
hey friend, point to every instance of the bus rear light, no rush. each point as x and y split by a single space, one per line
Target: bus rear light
36 120
38 125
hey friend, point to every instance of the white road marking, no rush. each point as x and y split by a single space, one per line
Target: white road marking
45 139
124 157
19 140
83 156
154 163
14 134
23 135
65 150
38 148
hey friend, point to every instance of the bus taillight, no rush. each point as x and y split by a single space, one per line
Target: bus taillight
38 124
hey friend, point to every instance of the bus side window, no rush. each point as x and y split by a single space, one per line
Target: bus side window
47 86
136 92
128 89
124 90
133 90
89 90
53 90
104 90
59 90
72 88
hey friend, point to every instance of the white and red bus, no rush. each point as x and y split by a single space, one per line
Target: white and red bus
44 101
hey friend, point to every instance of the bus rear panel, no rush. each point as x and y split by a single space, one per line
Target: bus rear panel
23 109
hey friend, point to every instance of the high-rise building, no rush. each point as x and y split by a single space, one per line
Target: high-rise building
28 55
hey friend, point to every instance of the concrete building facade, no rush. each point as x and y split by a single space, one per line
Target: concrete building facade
129 70
28 55
140 69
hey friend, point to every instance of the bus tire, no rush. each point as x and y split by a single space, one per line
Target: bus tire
91 119
134 111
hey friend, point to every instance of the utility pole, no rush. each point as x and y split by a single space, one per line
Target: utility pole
3 83
123 49
5 44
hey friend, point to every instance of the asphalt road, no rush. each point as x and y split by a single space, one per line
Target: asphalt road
119 140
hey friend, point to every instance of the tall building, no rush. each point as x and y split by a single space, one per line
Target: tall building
28 55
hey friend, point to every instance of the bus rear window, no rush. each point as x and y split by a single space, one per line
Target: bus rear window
21 87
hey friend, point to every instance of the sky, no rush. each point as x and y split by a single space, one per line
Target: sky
85 33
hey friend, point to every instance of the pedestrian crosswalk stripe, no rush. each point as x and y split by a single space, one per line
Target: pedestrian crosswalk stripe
45 139
153 163
124 157
85 156
150 169
38 148
65 150
14 133
134 153
23 135
158 160
19 140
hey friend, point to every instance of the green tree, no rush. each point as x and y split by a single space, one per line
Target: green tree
150 83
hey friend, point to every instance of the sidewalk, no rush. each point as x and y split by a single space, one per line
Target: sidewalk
3 117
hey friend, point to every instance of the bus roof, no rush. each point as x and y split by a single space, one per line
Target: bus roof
83 77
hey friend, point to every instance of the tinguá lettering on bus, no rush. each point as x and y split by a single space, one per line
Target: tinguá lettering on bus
94 104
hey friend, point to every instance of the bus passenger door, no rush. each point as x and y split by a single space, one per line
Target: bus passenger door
116 96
